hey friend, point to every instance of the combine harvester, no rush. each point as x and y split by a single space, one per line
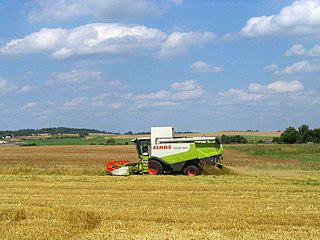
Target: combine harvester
165 153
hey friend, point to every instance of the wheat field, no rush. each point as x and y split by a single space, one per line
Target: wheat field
62 160
158 207
56 193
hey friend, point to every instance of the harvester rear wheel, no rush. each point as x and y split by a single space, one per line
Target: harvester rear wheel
191 171
154 167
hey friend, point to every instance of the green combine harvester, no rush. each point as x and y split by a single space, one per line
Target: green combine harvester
165 153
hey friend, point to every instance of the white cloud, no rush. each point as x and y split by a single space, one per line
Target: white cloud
184 86
299 50
111 95
156 104
164 104
64 10
178 1
315 51
75 103
258 93
317 101
117 100
256 87
271 68
27 88
112 100
186 90
299 18
239 95
115 105
285 86
29 105
203 67
277 87
295 50
4 85
188 95
162 94
81 79
178 92
300 67
75 76
108 38
178 42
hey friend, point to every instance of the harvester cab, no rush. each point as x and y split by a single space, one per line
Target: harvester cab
143 146
165 153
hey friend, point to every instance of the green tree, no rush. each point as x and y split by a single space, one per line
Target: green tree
290 135
305 134
111 141
232 139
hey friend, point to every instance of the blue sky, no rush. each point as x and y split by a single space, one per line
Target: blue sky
121 65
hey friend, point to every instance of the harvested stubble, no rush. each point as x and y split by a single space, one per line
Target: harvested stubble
159 207
44 205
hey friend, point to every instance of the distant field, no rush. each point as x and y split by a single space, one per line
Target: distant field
214 134
107 139
301 152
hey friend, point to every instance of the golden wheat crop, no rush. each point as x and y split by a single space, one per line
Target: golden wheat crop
90 159
159 207
52 193
74 160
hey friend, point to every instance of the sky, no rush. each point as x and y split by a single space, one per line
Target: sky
120 65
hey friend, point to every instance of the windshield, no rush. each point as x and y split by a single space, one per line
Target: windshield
143 146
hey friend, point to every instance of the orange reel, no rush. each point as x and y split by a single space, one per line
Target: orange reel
114 165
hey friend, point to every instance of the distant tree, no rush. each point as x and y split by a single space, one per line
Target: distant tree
316 135
83 134
305 134
111 141
232 139
277 140
290 135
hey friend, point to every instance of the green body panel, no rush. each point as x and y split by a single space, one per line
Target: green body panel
182 157
196 151
144 162
208 149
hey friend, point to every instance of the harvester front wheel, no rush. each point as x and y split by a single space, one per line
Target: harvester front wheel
154 167
191 171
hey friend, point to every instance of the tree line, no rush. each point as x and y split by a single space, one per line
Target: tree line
302 134
52 131
232 139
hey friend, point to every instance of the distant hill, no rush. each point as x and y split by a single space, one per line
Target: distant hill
53 131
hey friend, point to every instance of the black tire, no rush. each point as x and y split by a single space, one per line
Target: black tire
191 170
154 167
